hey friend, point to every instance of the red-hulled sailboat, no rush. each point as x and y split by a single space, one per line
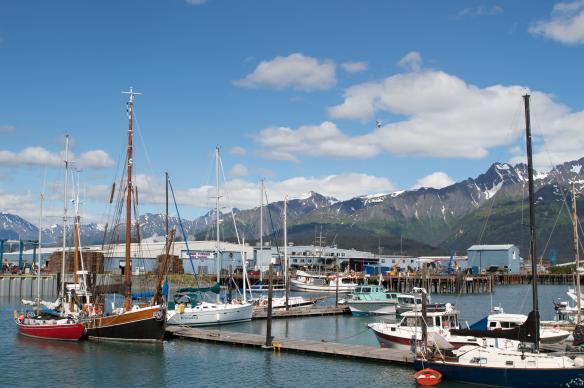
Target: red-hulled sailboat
35 324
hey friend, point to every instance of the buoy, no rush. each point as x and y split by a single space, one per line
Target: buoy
428 377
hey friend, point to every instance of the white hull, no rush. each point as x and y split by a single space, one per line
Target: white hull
300 286
371 307
210 314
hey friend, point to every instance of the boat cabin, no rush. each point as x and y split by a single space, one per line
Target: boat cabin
446 318
505 321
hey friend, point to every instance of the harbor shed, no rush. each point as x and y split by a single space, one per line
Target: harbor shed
503 257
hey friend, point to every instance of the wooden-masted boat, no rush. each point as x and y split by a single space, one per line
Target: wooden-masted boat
132 322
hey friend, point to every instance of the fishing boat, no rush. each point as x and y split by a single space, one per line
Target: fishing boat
132 322
410 302
372 299
35 323
195 306
501 367
304 281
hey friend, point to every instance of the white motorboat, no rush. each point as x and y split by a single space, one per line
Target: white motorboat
305 281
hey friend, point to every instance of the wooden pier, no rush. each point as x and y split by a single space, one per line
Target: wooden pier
360 352
301 312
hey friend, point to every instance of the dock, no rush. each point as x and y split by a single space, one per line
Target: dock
360 352
300 312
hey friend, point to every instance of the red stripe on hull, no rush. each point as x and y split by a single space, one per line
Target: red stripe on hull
65 332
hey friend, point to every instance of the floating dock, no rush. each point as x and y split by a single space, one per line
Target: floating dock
300 312
360 352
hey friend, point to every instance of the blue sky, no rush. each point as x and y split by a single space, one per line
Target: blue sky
290 90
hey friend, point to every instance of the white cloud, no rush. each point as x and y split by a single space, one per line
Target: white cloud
196 2
7 128
295 71
447 117
354 67
39 156
412 61
478 11
95 159
23 204
565 25
436 180
237 150
282 143
238 171
31 156
243 194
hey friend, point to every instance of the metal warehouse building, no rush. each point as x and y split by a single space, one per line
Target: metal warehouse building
494 257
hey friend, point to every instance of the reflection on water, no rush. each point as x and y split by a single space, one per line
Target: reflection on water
178 363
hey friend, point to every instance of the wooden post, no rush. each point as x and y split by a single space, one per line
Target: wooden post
269 315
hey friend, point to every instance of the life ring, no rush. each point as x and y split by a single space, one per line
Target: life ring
428 377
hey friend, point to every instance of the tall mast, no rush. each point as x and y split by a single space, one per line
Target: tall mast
166 229
129 188
217 247
576 253
76 253
532 246
64 219
286 249
38 300
261 251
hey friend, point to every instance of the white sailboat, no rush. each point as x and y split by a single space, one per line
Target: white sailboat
192 306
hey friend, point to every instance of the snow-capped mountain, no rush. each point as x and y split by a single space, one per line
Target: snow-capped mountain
432 216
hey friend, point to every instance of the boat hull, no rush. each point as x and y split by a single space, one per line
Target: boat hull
146 324
58 332
300 286
218 316
506 377
365 308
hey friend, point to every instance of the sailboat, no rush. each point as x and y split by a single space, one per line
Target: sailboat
191 305
500 367
132 322
34 323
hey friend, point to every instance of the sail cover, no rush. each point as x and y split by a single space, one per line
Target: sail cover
216 288
523 333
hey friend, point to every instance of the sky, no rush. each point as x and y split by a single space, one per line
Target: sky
345 98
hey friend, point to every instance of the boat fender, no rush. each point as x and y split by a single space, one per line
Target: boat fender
15 314
181 308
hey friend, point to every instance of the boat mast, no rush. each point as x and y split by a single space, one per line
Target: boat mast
64 220
217 247
261 251
129 188
38 299
576 253
532 246
166 228
286 249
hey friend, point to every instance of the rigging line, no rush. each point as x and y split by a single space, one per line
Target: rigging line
183 232
551 233
276 232
490 211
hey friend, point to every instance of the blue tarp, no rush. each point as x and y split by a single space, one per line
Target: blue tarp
480 325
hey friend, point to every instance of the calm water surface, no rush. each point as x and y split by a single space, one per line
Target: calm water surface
178 363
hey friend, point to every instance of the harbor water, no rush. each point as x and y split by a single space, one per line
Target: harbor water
179 363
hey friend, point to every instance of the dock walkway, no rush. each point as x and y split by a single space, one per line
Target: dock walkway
361 352
299 312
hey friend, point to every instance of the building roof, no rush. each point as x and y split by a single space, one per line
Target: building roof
504 247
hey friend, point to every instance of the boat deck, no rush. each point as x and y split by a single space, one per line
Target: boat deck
361 352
